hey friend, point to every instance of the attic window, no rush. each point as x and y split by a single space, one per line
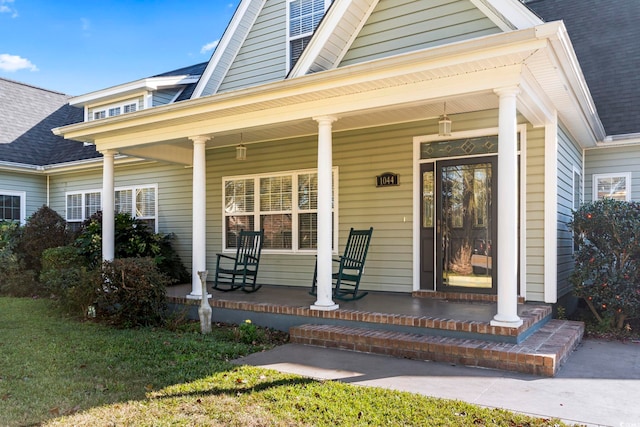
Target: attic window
114 110
304 17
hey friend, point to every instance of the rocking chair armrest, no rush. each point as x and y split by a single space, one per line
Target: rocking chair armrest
226 256
357 261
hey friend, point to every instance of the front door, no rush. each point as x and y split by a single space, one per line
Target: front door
458 237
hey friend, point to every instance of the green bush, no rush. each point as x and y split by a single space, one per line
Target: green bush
607 261
15 279
70 282
44 229
132 239
133 293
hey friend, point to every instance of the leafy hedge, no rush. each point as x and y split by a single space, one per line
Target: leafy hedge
607 261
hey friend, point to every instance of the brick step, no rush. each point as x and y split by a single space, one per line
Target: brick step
542 353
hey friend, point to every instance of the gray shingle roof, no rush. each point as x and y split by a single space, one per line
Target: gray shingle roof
606 39
27 115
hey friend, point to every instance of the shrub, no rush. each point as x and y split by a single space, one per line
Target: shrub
71 283
133 293
15 280
607 262
44 229
132 239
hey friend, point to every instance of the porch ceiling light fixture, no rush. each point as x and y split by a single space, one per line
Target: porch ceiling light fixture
241 150
444 124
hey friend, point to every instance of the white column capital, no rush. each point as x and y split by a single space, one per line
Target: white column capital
325 119
507 91
108 153
200 139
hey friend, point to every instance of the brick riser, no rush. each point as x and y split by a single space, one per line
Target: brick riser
542 353
533 316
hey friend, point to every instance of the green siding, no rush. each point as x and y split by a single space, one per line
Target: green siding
174 196
535 204
613 160
34 185
262 57
569 157
165 96
396 27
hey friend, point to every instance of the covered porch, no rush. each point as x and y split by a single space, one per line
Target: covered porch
453 328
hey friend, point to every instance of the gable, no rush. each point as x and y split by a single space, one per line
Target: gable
262 57
396 27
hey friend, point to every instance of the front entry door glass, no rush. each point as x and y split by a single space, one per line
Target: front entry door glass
465 229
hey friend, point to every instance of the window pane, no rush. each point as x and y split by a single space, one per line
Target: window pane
146 202
275 194
614 187
308 191
233 225
130 108
308 231
277 231
297 46
91 203
74 207
239 196
114 111
9 208
124 201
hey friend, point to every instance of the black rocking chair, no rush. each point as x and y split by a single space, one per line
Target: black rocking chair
241 271
350 267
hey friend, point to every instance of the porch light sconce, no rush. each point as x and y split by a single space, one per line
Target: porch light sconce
444 124
241 150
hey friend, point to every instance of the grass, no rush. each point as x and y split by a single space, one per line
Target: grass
61 372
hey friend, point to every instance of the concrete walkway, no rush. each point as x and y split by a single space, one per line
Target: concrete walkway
599 384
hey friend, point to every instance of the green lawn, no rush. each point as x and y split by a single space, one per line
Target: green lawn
57 371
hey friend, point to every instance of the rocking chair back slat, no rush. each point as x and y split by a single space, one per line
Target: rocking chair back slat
351 266
244 272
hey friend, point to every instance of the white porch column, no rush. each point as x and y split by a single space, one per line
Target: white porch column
199 227
325 194
108 206
507 221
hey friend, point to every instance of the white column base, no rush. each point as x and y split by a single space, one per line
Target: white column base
324 307
505 322
196 296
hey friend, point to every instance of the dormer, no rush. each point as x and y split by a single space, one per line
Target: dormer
141 94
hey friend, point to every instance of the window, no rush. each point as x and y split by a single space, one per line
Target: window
115 110
139 202
304 17
613 186
12 206
577 189
284 205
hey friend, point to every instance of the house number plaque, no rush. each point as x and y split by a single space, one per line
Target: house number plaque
387 179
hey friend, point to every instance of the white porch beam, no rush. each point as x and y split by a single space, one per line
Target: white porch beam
325 192
507 314
199 227
162 152
108 206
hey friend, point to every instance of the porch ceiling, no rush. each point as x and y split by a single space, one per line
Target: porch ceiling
404 88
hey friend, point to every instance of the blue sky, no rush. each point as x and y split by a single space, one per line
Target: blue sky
76 47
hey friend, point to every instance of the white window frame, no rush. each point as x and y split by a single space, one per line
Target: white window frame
295 211
289 38
576 186
23 202
83 197
599 176
133 189
106 110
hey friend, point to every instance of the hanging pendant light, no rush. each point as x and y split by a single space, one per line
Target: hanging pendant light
241 150
444 124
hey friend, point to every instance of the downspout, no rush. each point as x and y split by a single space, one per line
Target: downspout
48 191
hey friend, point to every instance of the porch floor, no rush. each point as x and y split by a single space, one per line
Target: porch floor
428 327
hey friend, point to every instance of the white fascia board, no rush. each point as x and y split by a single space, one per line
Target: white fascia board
508 14
148 84
19 167
565 59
